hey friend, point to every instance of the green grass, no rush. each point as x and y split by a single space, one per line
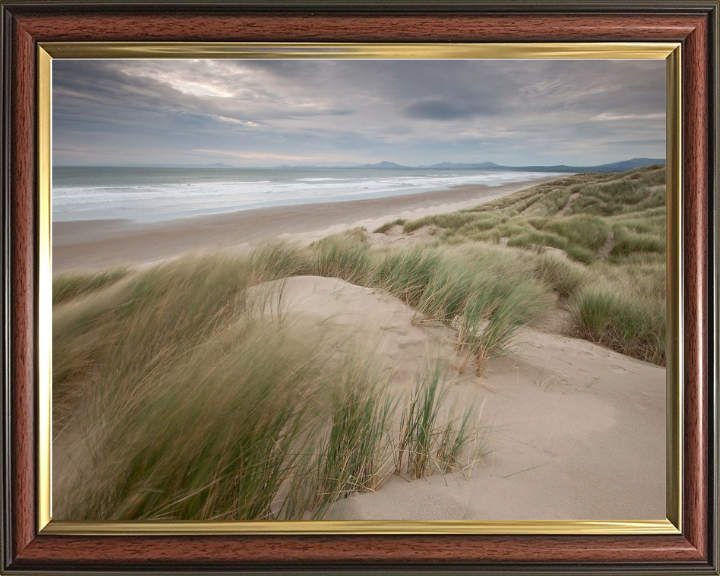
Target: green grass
446 292
189 403
529 218
454 438
493 316
626 211
428 442
418 427
70 286
451 220
355 453
207 435
343 256
581 230
406 273
562 275
629 242
385 227
472 282
624 322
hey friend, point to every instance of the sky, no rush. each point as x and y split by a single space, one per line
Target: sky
259 113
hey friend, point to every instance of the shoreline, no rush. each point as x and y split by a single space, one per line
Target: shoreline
552 415
95 244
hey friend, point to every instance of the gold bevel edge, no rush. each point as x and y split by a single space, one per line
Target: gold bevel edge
608 50
533 50
44 304
380 527
674 327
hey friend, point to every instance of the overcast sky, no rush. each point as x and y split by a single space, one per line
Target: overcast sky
272 112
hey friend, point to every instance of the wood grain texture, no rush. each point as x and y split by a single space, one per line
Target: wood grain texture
32 551
251 27
696 191
22 291
212 551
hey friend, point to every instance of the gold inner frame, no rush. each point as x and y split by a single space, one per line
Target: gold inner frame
670 52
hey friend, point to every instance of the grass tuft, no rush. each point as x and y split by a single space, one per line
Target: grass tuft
388 225
425 444
344 256
187 404
563 276
625 323
70 286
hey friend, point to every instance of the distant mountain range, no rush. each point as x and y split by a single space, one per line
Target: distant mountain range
613 167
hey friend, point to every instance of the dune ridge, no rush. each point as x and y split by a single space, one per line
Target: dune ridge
518 308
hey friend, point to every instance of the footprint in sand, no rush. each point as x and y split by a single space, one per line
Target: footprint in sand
395 328
410 342
620 370
587 354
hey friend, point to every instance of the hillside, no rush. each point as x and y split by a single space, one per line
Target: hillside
606 234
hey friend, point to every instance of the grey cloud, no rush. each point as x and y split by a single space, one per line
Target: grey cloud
513 112
443 110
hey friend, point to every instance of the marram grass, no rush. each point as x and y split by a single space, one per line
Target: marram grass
182 401
611 231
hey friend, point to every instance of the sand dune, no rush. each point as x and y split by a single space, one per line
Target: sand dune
572 430
575 431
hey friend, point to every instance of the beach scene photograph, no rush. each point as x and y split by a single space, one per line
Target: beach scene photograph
358 289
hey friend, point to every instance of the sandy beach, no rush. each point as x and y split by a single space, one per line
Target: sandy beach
92 244
571 430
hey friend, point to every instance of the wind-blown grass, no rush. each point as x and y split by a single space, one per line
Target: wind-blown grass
385 227
491 320
623 214
453 439
190 402
625 323
208 435
418 427
473 283
564 276
343 256
406 273
427 442
70 286
354 453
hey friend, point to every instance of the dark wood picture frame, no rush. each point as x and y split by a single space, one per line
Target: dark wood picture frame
694 23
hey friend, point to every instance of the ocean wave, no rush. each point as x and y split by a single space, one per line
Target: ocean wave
153 201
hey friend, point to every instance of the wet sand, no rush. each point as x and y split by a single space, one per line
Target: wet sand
93 244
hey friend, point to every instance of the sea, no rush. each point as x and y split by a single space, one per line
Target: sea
148 194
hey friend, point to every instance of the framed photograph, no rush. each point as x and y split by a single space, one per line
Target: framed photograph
373 288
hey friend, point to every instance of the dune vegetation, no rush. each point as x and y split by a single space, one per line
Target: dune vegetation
182 400
185 402
610 229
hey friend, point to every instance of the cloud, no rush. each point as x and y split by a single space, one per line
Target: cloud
443 110
512 112
610 116
256 155
235 121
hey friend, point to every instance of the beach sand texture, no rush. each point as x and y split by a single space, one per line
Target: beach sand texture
573 430
91 244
